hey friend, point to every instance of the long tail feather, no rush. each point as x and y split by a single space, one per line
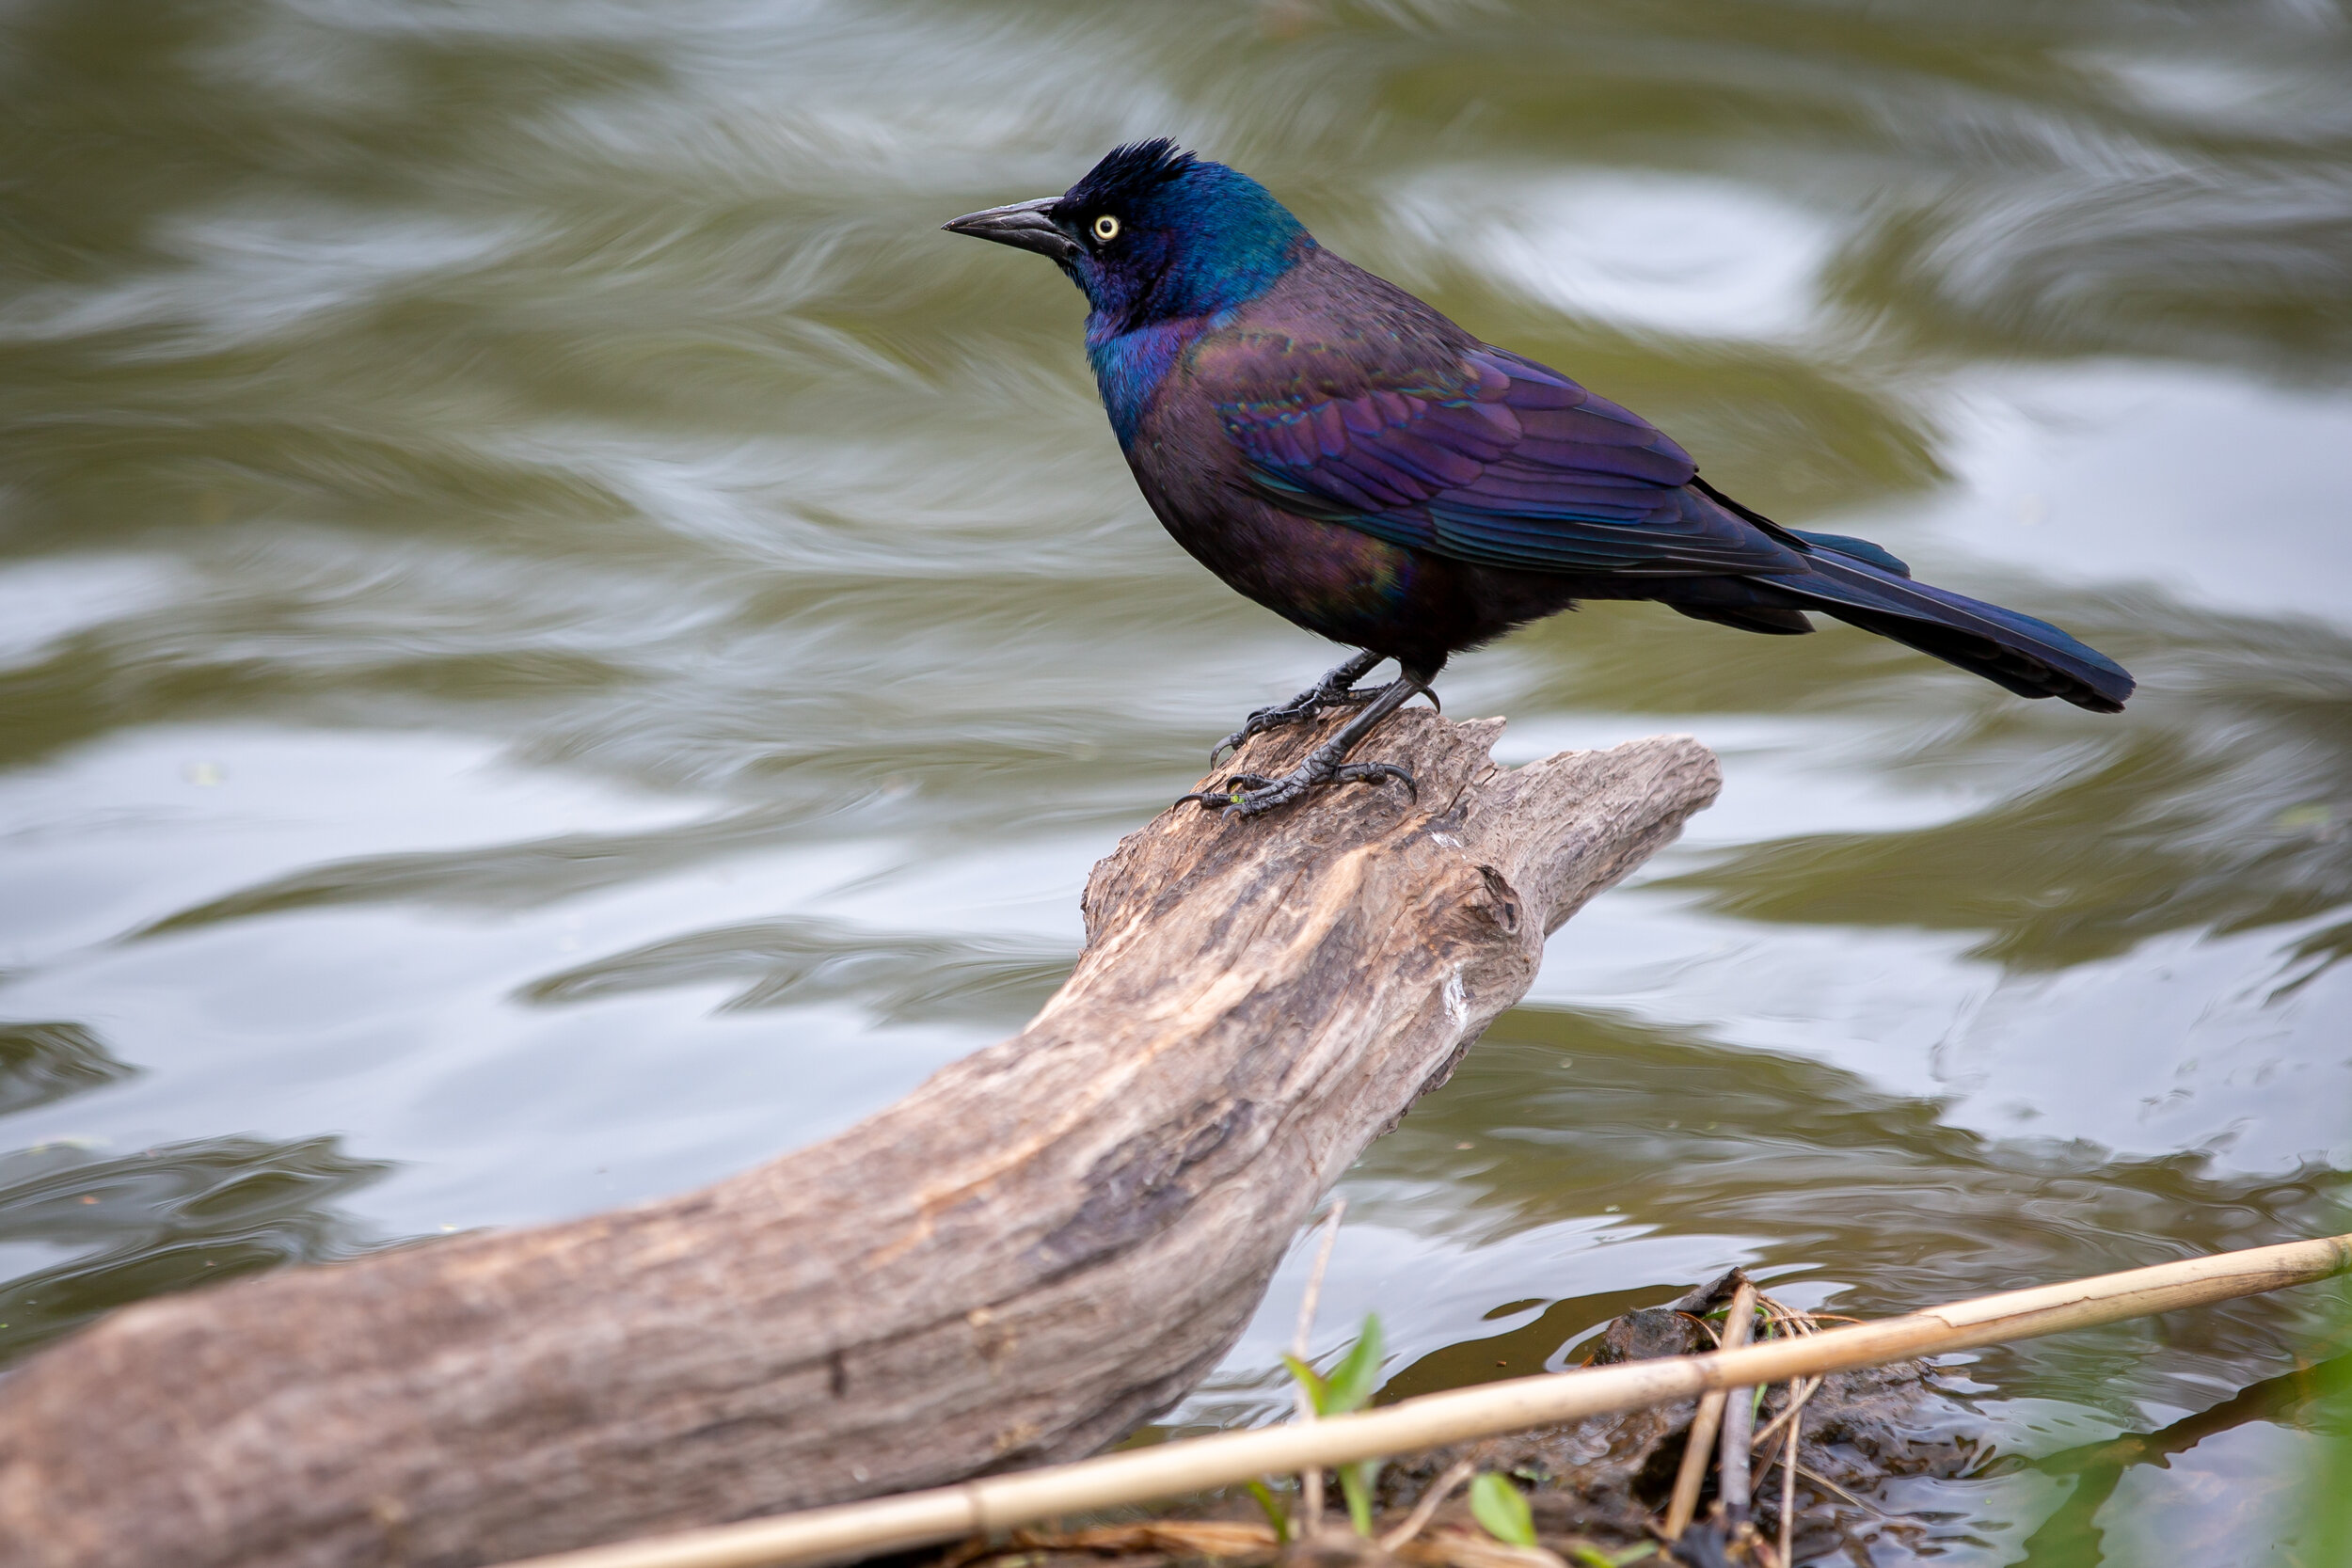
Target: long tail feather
2031 658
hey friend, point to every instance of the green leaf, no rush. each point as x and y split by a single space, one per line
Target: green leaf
1501 1509
1356 1486
1275 1515
1353 1380
1310 1380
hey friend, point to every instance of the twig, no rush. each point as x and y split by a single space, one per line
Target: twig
1831 1487
850 1530
1210 1538
1737 1323
1732 1461
1788 1493
1314 1289
1310 1518
1439 1491
1454 1548
1796 1401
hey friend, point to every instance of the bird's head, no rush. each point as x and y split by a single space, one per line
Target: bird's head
1153 233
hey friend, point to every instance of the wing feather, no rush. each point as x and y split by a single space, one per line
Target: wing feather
1493 458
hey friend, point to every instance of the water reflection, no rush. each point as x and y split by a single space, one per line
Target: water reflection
2216 807
2072 1532
1825 1177
168 1218
552 630
796 962
41 1062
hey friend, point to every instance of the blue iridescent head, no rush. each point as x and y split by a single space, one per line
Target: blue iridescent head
1153 234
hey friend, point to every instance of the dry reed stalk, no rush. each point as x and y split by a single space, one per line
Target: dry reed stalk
1310 1480
1788 1490
1435 1494
1833 1489
1732 1462
1800 1390
1738 1321
1182 1537
1462 1549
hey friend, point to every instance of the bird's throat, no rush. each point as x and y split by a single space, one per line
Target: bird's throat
1129 365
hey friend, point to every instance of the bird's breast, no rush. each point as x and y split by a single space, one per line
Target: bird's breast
1331 579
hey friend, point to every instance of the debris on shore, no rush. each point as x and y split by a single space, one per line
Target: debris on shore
1595 1493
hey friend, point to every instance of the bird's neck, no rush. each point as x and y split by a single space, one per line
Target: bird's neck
1133 345
1130 365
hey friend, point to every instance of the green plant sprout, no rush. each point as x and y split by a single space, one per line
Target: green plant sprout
1348 1387
1275 1515
1593 1557
1501 1509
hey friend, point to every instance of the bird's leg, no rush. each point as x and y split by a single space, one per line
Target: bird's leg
1335 690
1248 794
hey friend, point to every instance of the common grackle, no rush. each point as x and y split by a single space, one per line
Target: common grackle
1346 456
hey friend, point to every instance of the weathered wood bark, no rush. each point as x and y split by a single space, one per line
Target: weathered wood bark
1043 1244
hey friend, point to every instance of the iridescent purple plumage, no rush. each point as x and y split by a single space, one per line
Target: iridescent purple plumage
1349 457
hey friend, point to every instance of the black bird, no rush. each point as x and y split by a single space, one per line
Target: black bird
1346 456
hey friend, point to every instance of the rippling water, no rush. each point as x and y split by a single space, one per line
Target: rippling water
557 639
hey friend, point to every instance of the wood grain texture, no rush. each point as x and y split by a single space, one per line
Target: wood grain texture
1043 1245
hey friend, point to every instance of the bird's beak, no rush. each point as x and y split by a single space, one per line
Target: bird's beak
1025 225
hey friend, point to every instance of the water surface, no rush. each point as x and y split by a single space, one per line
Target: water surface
557 639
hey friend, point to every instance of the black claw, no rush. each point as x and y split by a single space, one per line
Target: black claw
1231 794
1258 722
1373 772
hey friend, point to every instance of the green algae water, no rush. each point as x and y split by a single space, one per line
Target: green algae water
557 639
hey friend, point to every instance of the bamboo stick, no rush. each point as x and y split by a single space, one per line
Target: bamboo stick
852 1531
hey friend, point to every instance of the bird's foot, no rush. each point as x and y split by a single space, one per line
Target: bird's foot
1296 711
1251 794
1337 688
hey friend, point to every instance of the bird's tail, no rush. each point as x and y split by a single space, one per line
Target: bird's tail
2031 658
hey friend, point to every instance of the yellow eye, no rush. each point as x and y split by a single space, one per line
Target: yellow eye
1105 229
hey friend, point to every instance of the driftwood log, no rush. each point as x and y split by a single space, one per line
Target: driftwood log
1045 1244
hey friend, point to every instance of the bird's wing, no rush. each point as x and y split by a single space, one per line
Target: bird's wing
1493 459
